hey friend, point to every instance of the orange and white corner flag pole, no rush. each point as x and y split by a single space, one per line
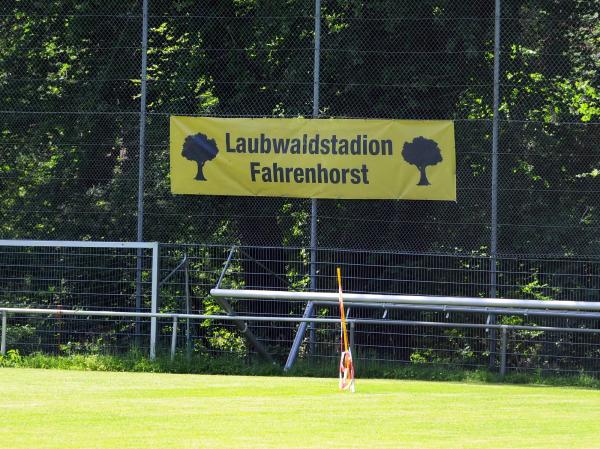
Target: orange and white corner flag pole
346 365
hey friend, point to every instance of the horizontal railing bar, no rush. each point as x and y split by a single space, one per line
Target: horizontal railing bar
464 309
63 312
407 299
76 244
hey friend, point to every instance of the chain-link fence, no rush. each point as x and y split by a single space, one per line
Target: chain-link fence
70 115
70 96
382 334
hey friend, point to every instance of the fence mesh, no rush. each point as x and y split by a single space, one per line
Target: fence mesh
70 90
105 280
75 278
70 116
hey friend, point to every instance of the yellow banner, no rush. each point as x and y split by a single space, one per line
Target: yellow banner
328 158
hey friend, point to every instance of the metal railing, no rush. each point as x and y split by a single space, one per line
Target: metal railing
414 290
520 88
448 301
490 306
6 312
547 293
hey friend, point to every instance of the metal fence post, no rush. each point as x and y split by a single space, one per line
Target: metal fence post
494 199
313 268
308 312
141 162
174 338
154 303
3 341
142 147
188 340
313 208
503 345
352 351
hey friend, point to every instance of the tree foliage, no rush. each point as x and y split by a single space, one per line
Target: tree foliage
69 89
69 125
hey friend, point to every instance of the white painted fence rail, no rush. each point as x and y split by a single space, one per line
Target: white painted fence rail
7 311
405 299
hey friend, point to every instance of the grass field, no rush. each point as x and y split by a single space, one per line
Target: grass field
77 409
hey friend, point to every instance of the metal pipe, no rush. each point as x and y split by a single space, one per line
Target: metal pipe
308 312
459 309
352 349
407 299
75 244
312 337
286 319
142 151
141 162
317 59
313 204
494 199
495 137
175 270
154 300
188 310
174 338
225 266
313 275
3 340
503 345
266 268
303 319
313 245
243 328
138 293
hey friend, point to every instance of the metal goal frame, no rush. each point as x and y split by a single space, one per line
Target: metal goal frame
154 247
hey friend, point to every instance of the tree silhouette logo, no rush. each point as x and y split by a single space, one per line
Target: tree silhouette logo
422 152
200 149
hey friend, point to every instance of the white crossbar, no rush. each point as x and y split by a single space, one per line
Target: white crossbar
406 299
76 244
283 319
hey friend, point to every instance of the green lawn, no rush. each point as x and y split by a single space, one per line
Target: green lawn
77 409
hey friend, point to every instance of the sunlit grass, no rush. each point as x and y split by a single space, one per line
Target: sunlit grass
78 409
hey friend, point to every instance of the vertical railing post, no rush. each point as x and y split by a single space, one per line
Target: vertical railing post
312 336
3 340
154 302
141 163
352 350
308 312
174 338
494 199
188 340
313 275
503 345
